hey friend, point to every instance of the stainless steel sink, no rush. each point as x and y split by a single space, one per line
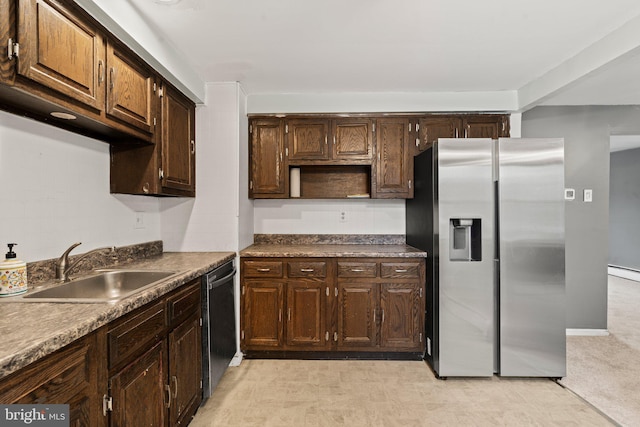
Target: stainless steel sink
106 286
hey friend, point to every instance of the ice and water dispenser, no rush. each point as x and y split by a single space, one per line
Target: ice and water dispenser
465 239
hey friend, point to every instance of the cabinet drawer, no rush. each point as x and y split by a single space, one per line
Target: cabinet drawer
184 303
307 269
357 269
399 269
133 333
262 269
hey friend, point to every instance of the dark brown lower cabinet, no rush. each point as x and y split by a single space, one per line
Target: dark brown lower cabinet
138 391
357 310
143 369
185 374
401 323
307 314
262 304
156 371
332 305
73 375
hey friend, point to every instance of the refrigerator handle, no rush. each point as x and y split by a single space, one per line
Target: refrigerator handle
496 316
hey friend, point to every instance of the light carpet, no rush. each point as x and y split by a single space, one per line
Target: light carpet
605 370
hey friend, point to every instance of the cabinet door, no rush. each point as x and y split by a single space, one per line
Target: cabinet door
263 303
266 153
306 314
357 307
394 167
130 87
60 50
70 376
308 139
352 139
144 380
485 126
7 32
401 326
433 127
178 142
185 370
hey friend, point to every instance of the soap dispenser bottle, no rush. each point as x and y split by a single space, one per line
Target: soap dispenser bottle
13 274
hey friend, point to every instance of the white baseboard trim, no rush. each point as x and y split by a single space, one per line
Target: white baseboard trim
625 273
237 359
588 332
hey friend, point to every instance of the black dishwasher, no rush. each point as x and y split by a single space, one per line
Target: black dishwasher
218 325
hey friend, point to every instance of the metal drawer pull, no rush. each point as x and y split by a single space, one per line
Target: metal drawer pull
401 270
307 270
357 270
264 270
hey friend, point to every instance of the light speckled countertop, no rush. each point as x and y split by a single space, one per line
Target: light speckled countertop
30 331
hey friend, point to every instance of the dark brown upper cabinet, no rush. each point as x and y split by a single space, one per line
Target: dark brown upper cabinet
166 168
394 166
351 155
430 128
485 126
352 139
62 67
268 175
333 141
130 89
60 50
178 172
308 139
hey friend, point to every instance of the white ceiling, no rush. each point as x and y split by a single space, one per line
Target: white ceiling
554 52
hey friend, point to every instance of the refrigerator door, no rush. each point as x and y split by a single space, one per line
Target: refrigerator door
532 258
466 254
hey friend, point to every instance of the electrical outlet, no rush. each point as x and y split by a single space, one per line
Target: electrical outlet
587 195
139 220
343 216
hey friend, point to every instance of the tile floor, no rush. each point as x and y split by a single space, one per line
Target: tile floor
384 393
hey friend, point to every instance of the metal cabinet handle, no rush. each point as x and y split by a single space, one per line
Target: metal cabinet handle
335 336
100 72
112 73
174 379
289 315
193 147
306 270
264 270
168 390
357 270
382 316
401 270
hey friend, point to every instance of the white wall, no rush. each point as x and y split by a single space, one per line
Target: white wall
54 188
210 221
325 216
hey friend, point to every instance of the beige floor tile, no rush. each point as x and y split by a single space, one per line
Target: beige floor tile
383 393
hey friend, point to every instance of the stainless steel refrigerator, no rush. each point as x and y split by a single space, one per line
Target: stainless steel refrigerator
490 214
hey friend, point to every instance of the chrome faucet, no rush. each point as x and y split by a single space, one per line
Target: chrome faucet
63 267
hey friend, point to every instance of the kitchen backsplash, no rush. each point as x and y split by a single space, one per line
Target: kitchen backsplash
42 271
329 239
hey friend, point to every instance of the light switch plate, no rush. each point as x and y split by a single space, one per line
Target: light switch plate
587 195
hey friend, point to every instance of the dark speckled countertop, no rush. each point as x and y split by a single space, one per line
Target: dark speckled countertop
329 251
302 245
30 331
